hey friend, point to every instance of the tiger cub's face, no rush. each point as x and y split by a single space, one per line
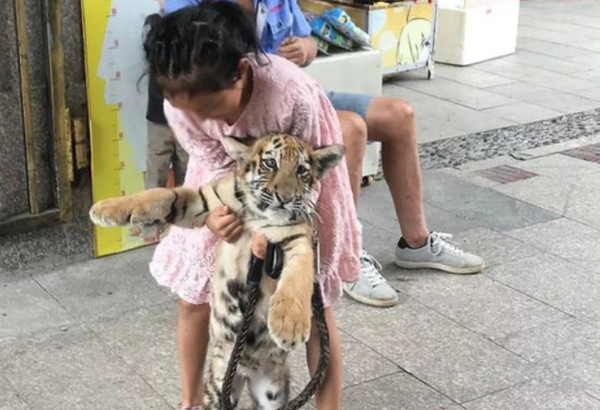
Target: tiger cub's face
278 173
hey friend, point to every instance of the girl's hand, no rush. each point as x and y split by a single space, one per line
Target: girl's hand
225 224
259 245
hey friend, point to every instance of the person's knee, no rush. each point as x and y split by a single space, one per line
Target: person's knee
389 116
190 310
403 110
354 130
396 111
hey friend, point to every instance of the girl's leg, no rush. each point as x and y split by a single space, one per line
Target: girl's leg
192 341
329 395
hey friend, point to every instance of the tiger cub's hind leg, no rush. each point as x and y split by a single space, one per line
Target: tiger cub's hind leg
269 386
213 385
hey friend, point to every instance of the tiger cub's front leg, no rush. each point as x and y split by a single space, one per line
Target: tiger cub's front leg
179 206
290 306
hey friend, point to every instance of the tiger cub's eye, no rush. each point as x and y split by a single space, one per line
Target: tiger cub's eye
301 170
270 163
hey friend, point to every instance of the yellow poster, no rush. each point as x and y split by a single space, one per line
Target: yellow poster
404 34
117 98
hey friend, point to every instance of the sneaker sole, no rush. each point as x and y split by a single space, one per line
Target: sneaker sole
438 266
371 302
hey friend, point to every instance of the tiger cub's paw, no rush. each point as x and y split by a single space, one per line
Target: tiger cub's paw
289 320
150 207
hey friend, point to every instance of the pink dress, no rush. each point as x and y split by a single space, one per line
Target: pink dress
284 99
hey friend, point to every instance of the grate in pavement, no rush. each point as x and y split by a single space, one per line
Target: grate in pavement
588 153
505 174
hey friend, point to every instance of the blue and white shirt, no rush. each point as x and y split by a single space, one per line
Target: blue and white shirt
276 20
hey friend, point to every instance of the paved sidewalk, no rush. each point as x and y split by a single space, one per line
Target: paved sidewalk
555 71
523 335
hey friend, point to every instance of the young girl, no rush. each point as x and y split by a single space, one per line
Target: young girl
217 83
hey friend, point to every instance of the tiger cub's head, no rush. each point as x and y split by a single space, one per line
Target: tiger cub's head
278 173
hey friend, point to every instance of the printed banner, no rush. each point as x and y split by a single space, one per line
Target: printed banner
404 33
117 98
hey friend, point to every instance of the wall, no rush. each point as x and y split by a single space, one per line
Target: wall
56 245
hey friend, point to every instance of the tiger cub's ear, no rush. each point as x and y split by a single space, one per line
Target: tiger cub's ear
238 147
325 158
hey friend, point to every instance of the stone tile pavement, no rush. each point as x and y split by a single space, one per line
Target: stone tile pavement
555 71
522 335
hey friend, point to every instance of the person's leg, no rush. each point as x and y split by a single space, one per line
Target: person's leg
192 342
392 123
354 133
329 395
371 288
158 158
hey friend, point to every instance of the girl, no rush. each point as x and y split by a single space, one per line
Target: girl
206 60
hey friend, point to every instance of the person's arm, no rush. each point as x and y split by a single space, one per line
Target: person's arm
301 49
173 5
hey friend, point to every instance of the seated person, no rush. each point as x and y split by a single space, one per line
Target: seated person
283 29
163 150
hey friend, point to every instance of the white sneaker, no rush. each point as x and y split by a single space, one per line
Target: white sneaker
438 253
371 288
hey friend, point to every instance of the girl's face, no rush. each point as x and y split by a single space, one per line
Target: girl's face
226 105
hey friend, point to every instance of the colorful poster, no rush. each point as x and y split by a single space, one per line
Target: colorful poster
117 97
404 33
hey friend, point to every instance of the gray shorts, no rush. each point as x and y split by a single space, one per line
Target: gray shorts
358 103
164 151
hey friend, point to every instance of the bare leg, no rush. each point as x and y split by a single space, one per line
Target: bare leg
392 122
354 133
329 395
192 341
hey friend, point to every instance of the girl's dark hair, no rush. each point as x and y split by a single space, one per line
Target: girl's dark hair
199 48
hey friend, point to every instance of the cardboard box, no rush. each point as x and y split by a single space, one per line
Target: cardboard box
471 31
404 32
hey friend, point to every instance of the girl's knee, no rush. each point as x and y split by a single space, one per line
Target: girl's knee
315 332
187 309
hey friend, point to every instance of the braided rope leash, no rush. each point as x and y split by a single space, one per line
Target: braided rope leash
256 266
255 274
321 372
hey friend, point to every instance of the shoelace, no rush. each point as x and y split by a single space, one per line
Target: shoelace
441 242
370 269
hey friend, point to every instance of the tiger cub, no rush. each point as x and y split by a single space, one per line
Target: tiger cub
272 190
